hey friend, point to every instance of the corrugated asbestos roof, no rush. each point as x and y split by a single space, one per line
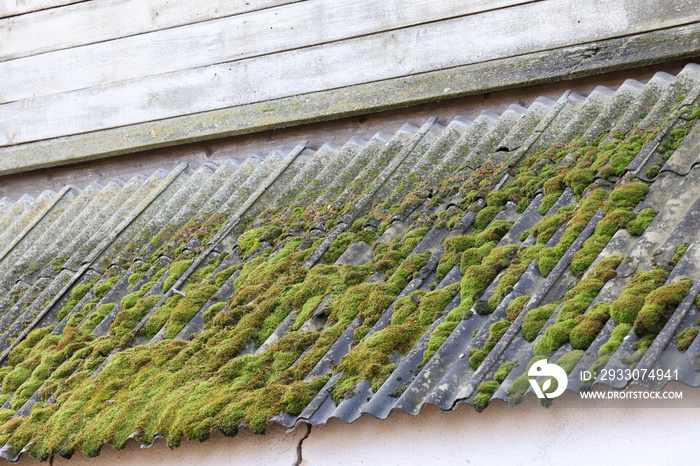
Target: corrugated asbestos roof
433 265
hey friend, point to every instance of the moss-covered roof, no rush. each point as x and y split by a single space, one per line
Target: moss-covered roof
433 265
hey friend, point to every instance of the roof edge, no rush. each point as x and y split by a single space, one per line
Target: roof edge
548 66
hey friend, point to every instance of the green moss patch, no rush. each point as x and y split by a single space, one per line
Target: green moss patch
77 293
658 306
535 319
175 271
496 331
637 226
220 378
575 303
686 338
618 212
625 308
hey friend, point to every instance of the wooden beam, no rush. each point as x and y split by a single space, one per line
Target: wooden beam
18 7
91 22
523 70
223 40
393 54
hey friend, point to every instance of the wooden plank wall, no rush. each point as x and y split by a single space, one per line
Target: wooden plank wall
69 67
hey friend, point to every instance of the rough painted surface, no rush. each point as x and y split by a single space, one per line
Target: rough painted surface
432 266
575 436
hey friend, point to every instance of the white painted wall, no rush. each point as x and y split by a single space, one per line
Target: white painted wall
527 435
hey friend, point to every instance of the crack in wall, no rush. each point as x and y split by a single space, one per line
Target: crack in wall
299 457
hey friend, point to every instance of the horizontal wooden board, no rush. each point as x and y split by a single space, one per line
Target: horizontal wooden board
91 22
18 7
220 41
404 52
524 70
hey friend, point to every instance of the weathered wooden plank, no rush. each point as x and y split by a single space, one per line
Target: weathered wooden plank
91 22
523 70
404 52
219 41
18 7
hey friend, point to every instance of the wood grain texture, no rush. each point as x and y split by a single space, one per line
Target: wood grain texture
524 70
91 22
368 58
218 41
18 7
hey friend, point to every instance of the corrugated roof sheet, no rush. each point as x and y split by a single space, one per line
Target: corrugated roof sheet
433 265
